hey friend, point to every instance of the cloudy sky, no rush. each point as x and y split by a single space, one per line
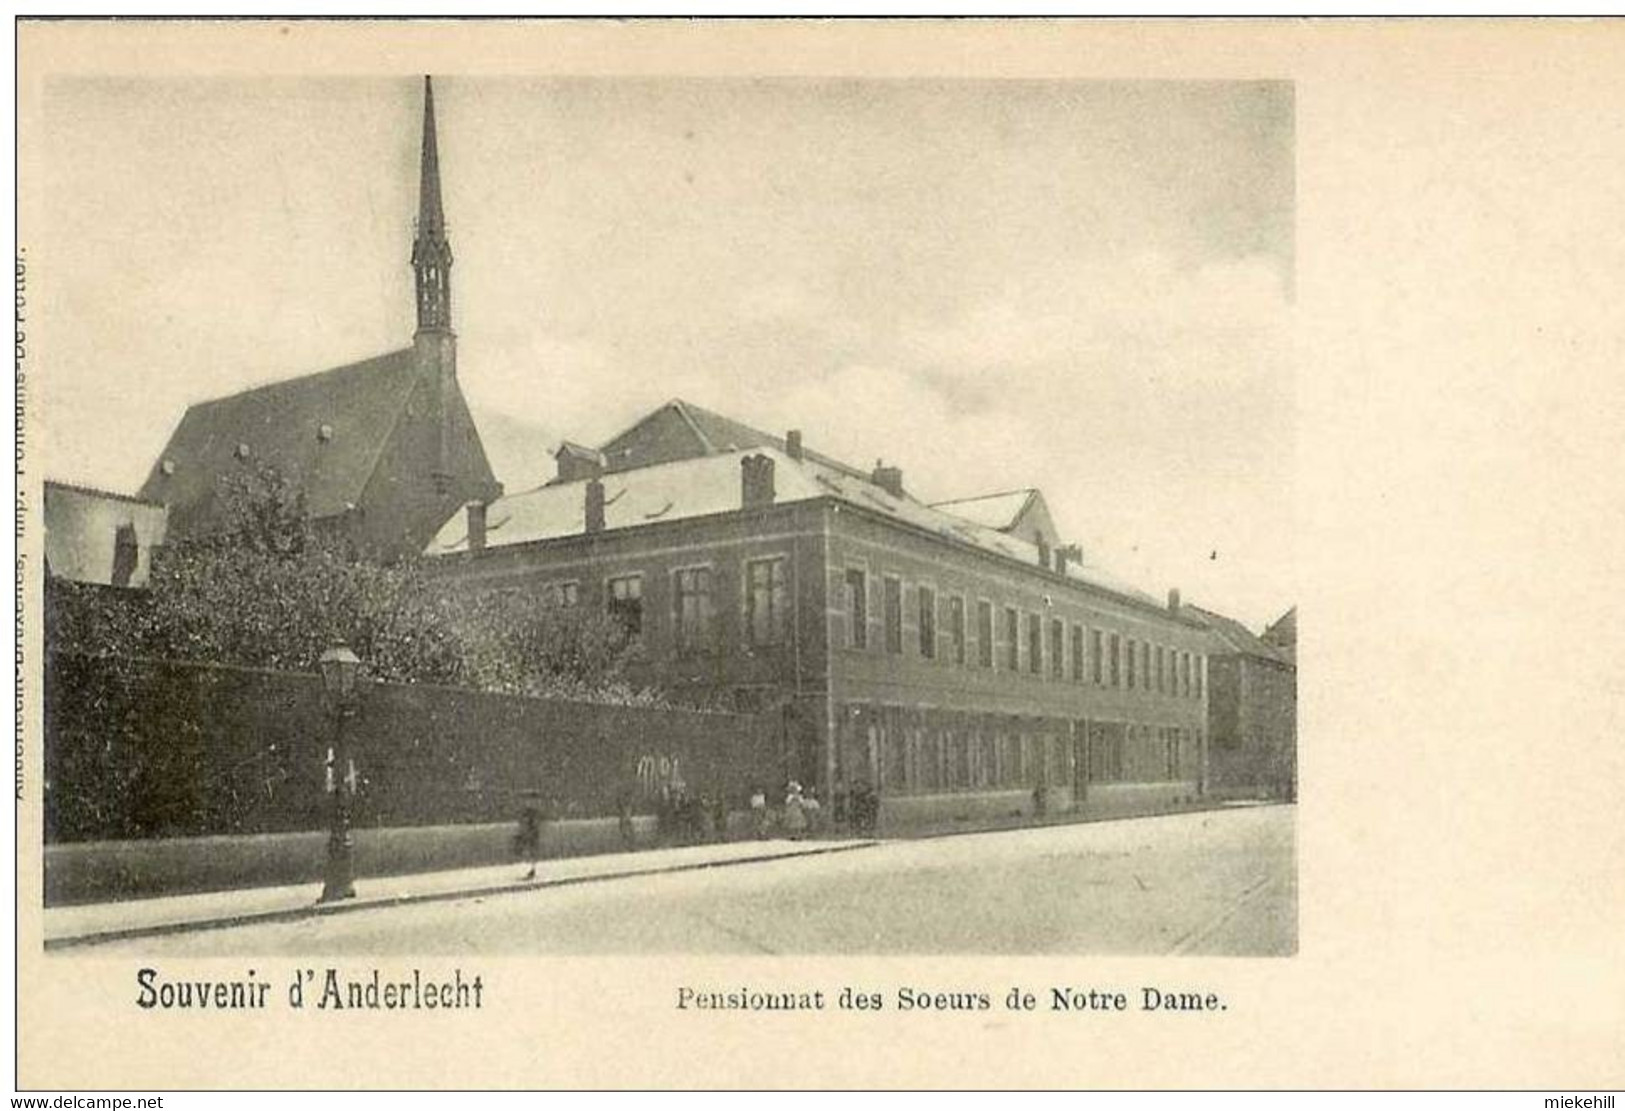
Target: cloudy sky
1083 286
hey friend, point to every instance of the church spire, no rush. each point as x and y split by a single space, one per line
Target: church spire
431 250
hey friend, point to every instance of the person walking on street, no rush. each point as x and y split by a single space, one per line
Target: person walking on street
814 811
795 813
527 842
758 811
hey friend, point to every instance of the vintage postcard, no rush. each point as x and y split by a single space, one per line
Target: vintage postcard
575 554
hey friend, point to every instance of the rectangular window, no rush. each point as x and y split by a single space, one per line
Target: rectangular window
1145 665
1077 653
626 603
894 616
857 608
1161 686
928 623
1035 644
1133 653
984 633
1197 667
956 628
694 609
1185 674
1115 658
1012 639
894 767
563 595
1097 657
1057 649
767 601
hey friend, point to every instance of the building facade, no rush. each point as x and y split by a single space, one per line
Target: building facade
952 669
1252 711
98 537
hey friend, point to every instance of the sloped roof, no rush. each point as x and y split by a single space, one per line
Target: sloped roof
994 511
1284 629
1236 637
282 425
711 484
717 434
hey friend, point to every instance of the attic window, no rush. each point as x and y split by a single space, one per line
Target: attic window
242 451
167 466
324 433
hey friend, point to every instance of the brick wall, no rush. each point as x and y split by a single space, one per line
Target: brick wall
139 749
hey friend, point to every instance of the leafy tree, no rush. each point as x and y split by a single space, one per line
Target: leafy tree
271 589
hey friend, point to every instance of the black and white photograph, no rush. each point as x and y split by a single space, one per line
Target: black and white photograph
689 554
839 516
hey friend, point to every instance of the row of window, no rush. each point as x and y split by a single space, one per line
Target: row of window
927 760
1104 658
694 603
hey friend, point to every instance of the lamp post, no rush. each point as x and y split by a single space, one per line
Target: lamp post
340 670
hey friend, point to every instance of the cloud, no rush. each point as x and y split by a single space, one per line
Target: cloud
1090 313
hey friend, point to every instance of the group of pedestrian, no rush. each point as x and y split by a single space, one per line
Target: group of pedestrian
681 817
799 815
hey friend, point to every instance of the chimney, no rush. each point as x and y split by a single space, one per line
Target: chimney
756 482
792 444
576 462
1069 554
889 479
1043 552
595 506
1173 600
476 526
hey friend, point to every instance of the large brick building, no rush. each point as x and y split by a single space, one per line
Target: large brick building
954 659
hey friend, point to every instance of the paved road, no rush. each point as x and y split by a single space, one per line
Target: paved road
1222 882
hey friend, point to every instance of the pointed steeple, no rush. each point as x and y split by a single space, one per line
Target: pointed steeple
431 250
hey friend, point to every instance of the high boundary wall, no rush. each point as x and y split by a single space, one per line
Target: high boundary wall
143 749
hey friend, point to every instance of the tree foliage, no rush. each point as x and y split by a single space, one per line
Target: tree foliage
272 589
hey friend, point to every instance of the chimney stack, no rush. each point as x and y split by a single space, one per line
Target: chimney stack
1173 600
756 482
1043 552
792 444
889 479
595 506
576 462
476 526
1072 553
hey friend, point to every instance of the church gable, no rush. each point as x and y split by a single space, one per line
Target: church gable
432 464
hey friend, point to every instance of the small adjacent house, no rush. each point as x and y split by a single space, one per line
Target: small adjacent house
1252 710
98 537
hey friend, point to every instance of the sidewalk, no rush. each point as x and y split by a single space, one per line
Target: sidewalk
86 925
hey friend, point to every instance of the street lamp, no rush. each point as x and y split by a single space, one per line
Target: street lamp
340 669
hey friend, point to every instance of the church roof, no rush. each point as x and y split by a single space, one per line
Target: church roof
323 432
